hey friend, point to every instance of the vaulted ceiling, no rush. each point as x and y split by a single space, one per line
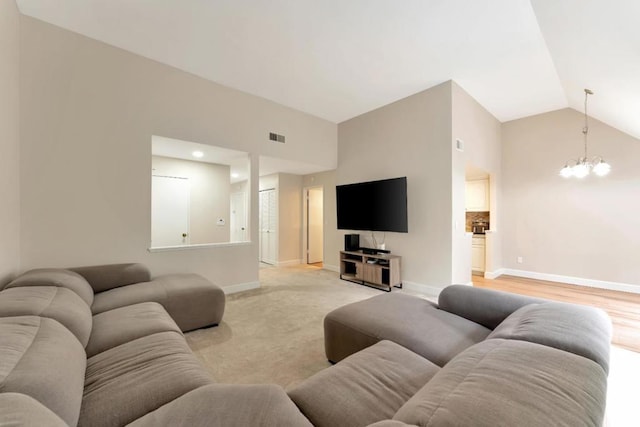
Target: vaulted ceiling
337 59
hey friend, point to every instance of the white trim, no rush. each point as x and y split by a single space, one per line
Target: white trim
428 290
493 274
240 287
613 286
333 268
289 263
197 246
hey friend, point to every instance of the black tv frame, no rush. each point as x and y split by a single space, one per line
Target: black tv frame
368 206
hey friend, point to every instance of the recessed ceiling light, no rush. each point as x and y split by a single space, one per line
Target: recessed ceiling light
235 175
197 154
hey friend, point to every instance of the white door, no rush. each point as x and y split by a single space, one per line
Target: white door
169 211
314 225
238 217
268 226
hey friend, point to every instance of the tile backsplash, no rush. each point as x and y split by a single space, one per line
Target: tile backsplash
476 216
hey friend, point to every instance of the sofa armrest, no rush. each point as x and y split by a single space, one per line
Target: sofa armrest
109 276
484 306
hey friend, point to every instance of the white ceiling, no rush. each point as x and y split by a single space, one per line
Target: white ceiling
238 161
337 59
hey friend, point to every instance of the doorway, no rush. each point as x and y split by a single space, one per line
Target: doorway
314 230
169 211
268 226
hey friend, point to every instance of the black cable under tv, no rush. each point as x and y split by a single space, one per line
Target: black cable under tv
371 251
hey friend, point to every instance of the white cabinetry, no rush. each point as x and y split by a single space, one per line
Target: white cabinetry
477 195
478 254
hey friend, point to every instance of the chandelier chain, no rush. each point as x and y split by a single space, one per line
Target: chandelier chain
584 165
585 129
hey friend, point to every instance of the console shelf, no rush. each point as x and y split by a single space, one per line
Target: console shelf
380 271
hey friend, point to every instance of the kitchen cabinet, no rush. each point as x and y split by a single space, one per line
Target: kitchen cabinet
478 254
477 195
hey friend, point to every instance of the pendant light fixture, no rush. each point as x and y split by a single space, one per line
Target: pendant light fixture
583 166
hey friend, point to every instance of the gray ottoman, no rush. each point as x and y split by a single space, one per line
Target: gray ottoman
191 300
414 323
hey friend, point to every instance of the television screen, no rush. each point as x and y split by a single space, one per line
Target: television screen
373 206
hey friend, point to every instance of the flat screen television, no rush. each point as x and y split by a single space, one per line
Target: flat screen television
373 206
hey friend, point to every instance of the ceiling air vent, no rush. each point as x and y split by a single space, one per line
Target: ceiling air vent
275 137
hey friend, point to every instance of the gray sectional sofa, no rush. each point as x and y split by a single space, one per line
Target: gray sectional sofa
103 346
477 358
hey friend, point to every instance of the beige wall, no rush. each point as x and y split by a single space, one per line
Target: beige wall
412 138
9 141
88 113
268 182
289 218
586 228
332 242
240 187
209 197
481 134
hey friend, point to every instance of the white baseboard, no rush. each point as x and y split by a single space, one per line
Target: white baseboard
601 284
289 263
430 291
493 274
333 268
240 287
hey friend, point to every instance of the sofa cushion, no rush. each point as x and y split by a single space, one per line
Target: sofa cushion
109 276
511 383
412 322
191 300
366 387
40 358
121 325
132 379
390 423
55 277
54 302
484 306
20 410
226 405
582 330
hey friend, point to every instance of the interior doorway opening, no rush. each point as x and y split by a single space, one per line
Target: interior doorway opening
313 245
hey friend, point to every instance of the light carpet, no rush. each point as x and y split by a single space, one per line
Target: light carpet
275 334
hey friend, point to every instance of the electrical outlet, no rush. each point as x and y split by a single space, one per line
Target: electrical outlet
519 260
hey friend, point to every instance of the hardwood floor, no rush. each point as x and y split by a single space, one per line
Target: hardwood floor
622 307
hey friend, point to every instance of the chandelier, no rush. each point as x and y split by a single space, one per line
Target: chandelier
583 166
